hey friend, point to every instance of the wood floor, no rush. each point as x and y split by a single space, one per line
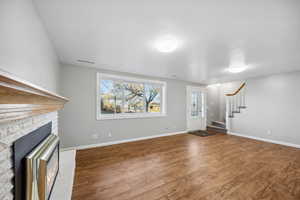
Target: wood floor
220 167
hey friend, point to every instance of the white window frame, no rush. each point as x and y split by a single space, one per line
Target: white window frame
100 116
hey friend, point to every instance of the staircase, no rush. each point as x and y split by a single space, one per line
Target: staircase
236 101
217 127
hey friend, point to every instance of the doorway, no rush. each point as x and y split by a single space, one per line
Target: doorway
196 108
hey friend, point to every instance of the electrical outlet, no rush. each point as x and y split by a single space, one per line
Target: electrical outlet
269 132
109 134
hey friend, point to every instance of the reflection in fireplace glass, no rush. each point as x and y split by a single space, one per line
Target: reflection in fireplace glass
52 168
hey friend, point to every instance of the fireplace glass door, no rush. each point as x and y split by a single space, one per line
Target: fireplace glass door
42 169
52 169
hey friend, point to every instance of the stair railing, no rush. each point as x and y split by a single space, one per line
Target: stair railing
236 100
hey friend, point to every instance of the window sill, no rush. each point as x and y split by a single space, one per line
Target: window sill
131 116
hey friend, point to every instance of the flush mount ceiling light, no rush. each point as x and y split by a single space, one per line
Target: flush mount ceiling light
237 61
236 69
214 85
166 44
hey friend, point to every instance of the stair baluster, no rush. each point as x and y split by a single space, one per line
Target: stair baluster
241 99
244 98
236 101
232 106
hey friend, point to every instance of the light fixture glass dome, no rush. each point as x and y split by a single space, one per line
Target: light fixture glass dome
166 44
236 69
237 61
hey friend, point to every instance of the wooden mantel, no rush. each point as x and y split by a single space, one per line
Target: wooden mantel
20 99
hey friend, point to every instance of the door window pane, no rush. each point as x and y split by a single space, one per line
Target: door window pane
196 104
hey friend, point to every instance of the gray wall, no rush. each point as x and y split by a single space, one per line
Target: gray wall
78 124
272 105
25 49
213 103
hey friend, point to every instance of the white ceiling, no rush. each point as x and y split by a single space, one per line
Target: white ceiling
119 35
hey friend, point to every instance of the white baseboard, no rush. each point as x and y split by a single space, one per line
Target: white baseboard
266 140
120 141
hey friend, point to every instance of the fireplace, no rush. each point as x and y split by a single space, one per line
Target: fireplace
36 157
26 110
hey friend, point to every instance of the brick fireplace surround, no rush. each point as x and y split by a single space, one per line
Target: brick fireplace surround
24 107
10 132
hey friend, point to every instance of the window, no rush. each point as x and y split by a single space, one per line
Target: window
196 102
124 97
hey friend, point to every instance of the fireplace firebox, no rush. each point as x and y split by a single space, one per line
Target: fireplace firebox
36 164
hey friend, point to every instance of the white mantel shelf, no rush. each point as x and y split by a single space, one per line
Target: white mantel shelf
20 99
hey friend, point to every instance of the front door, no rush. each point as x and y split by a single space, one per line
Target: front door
196 108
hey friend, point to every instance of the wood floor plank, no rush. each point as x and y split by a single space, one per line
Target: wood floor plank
188 167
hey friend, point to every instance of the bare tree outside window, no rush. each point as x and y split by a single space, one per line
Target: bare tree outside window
118 96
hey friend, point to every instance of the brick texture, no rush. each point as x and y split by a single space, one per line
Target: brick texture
10 132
